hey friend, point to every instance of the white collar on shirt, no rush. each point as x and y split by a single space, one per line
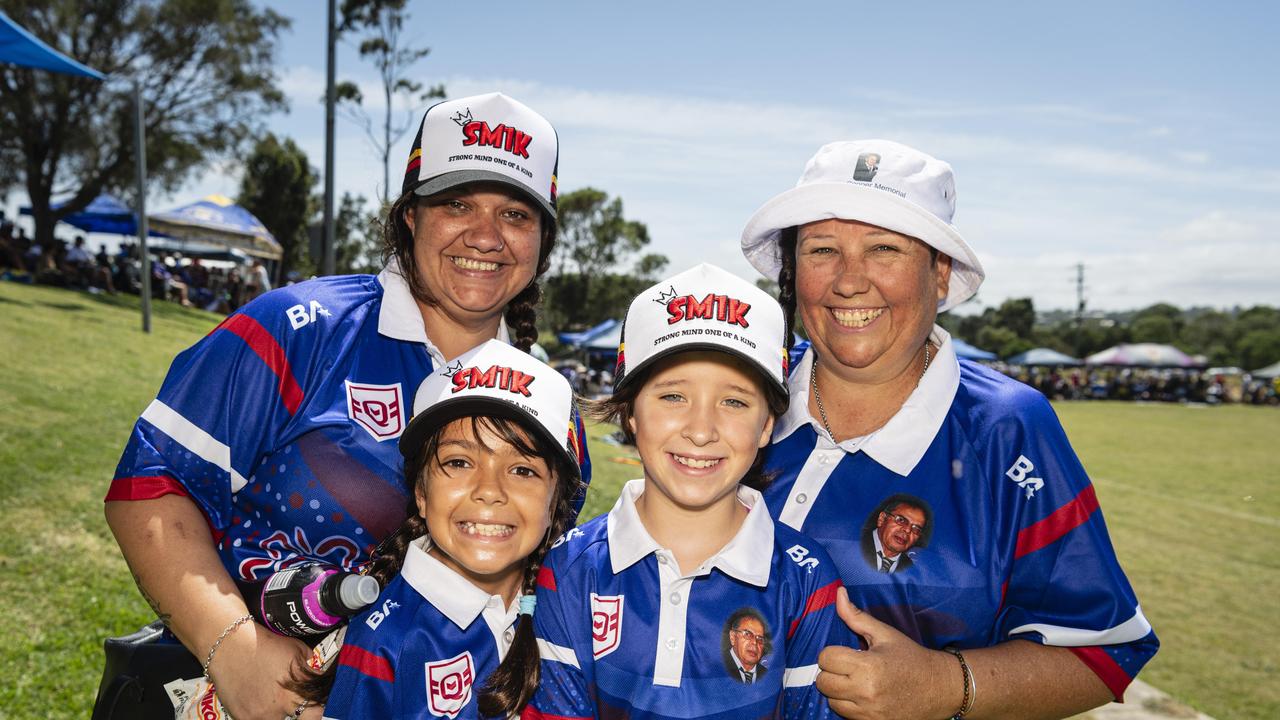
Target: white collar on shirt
401 319
452 594
903 440
746 557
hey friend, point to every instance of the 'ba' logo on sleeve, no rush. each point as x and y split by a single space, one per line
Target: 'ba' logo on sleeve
379 409
449 685
606 624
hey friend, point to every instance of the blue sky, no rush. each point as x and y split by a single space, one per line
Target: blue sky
1137 138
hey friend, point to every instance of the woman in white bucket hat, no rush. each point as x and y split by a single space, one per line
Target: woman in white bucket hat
948 495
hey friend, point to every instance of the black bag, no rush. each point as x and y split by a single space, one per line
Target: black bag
138 667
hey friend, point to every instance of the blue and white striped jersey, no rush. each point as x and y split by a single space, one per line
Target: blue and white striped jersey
1013 544
623 634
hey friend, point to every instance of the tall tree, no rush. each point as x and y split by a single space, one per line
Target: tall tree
383 44
206 71
277 187
357 237
594 239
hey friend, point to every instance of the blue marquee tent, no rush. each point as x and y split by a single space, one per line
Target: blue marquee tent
19 47
969 352
1047 357
216 219
105 214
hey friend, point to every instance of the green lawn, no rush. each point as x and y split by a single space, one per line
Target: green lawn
1187 493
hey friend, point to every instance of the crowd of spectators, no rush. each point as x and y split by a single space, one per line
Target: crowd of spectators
188 281
1154 385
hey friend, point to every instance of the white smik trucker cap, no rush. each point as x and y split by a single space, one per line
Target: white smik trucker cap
485 138
704 308
879 182
498 380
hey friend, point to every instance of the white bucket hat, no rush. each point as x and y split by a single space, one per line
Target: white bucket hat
485 138
496 379
704 308
879 182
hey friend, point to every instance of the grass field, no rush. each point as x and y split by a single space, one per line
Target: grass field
1189 495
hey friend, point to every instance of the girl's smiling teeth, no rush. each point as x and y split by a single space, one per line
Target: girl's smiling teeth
696 463
856 318
486 529
469 264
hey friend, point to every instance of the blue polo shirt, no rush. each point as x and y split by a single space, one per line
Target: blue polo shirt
623 634
1015 545
424 649
282 423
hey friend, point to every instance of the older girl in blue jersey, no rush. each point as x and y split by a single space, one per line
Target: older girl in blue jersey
686 600
493 454
962 523
273 439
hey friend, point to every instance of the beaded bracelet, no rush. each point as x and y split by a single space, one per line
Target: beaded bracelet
229 629
970 685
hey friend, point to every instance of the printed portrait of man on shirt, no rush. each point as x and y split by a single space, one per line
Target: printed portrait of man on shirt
745 644
899 525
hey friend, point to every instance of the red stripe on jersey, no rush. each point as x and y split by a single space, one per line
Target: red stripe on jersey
546 578
1106 668
266 347
822 597
144 488
366 663
150 488
532 713
1062 521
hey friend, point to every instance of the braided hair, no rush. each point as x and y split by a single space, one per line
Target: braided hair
522 310
511 686
787 280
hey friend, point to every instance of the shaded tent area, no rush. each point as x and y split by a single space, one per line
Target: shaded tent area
1270 372
19 47
1044 357
105 214
576 339
216 220
969 352
1149 355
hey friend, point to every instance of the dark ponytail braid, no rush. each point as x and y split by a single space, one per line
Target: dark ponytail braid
522 316
787 280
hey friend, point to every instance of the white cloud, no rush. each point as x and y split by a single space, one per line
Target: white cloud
1033 202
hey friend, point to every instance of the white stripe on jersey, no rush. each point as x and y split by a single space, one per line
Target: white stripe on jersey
1132 629
557 653
816 471
800 677
188 435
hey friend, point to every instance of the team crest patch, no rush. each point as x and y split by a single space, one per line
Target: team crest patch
378 408
606 624
449 685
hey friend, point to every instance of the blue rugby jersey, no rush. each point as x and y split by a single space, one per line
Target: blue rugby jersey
424 649
623 635
1016 546
282 423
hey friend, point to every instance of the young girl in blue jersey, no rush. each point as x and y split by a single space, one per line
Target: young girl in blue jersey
686 600
493 457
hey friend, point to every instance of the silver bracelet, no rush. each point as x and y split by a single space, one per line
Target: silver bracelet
229 629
